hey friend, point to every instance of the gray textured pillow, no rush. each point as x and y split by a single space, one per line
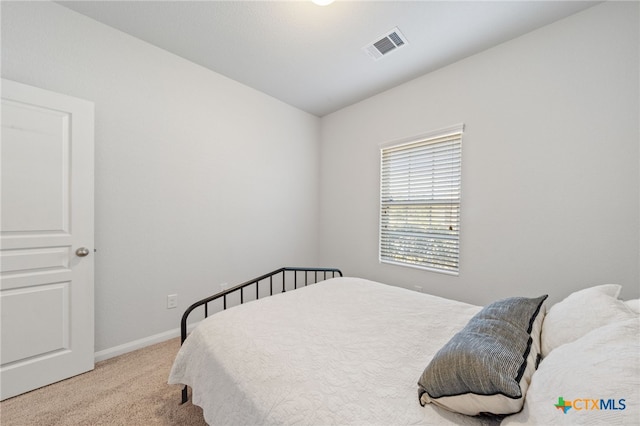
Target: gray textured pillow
487 366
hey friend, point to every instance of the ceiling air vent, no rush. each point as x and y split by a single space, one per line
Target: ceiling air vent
385 44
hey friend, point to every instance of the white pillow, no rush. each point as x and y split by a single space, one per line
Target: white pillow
603 365
634 305
581 312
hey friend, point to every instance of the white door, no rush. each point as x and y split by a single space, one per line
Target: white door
46 238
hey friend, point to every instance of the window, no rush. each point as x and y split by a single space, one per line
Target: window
420 201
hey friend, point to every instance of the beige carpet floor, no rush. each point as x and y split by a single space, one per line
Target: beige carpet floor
130 389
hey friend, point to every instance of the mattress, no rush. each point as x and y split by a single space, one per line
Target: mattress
343 351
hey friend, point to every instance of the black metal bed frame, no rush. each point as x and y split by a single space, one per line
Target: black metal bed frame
256 281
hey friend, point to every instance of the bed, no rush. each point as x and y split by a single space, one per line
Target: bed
352 351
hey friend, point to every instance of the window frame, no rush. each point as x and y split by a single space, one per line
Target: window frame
450 242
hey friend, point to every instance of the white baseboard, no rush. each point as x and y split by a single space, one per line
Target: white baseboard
138 344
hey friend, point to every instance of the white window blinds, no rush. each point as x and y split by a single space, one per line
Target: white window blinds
420 202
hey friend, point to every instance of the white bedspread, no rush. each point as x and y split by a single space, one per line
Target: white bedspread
343 351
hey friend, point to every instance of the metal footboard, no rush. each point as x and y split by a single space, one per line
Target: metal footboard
301 277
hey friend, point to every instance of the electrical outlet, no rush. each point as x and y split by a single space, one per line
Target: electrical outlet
172 301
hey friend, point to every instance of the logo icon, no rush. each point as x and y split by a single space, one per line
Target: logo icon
588 404
563 405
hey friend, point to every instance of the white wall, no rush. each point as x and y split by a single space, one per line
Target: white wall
199 179
550 163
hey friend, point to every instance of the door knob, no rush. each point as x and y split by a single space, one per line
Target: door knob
82 252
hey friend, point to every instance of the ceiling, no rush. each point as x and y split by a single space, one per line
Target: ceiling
311 56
